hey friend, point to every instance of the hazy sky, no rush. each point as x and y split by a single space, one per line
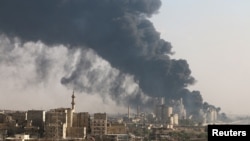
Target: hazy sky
213 36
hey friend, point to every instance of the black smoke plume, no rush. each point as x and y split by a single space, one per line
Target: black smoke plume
118 30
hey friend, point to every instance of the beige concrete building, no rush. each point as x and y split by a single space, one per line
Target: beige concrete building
81 119
80 126
67 123
36 117
19 117
2 117
56 124
116 128
99 124
59 121
55 131
76 132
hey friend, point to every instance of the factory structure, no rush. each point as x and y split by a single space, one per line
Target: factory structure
168 114
174 110
165 117
163 114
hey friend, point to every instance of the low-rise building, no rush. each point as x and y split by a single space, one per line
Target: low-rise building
99 124
116 128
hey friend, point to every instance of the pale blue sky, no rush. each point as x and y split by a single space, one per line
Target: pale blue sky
213 36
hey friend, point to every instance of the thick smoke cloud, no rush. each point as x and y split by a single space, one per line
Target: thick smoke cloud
24 79
117 30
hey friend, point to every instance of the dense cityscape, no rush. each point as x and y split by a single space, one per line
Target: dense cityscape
165 122
121 57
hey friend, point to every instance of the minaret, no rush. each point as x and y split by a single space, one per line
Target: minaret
73 102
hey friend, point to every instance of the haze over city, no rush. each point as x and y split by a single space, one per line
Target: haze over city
40 71
213 37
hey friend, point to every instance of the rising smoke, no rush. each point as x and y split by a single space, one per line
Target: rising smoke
119 31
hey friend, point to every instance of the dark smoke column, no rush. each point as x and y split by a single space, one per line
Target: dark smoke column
118 30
